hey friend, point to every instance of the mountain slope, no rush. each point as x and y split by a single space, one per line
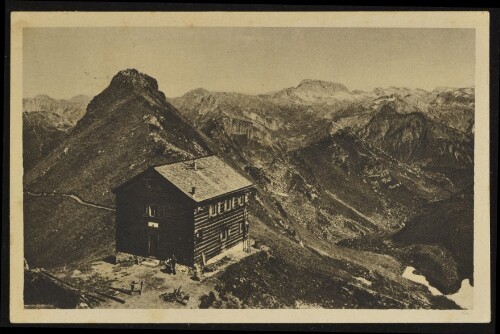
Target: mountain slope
370 153
70 110
448 226
454 108
42 131
46 121
128 127
414 138
344 174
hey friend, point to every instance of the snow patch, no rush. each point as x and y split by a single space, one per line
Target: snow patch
363 280
463 297
410 274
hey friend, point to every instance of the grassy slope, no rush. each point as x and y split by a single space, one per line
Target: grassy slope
42 131
298 274
60 231
440 241
108 151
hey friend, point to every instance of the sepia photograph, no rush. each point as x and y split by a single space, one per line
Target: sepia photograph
301 163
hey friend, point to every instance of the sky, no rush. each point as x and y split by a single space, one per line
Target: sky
64 62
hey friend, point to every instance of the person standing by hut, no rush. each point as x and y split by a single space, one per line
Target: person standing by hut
173 263
167 265
246 229
246 239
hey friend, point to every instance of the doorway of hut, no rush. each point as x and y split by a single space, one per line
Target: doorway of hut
153 242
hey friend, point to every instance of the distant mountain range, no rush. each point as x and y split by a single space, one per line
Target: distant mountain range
46 121
332 166
385 153
432 129
70 110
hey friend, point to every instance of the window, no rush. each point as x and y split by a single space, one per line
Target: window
224 234
220 207
212 210
150 210
247 197
228 205
225 206
153 224
199 236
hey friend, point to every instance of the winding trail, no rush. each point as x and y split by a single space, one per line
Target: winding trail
368 219
76 198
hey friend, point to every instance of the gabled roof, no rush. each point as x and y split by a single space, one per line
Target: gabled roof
211 178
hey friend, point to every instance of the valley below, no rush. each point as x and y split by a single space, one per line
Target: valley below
352 188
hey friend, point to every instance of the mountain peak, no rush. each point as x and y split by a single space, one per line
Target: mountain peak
131 82
134 78
126 85
325 85
80 99
197 92
43 97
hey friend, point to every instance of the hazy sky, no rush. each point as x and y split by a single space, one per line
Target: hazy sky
63 62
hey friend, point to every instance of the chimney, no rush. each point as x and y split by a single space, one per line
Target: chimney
193 191
194 165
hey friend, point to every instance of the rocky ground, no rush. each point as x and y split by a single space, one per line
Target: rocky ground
102 278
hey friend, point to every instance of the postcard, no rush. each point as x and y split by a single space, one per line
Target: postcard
249 167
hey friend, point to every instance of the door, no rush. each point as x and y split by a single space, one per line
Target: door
154 240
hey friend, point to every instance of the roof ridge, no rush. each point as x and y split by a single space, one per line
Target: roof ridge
187 160
213 178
